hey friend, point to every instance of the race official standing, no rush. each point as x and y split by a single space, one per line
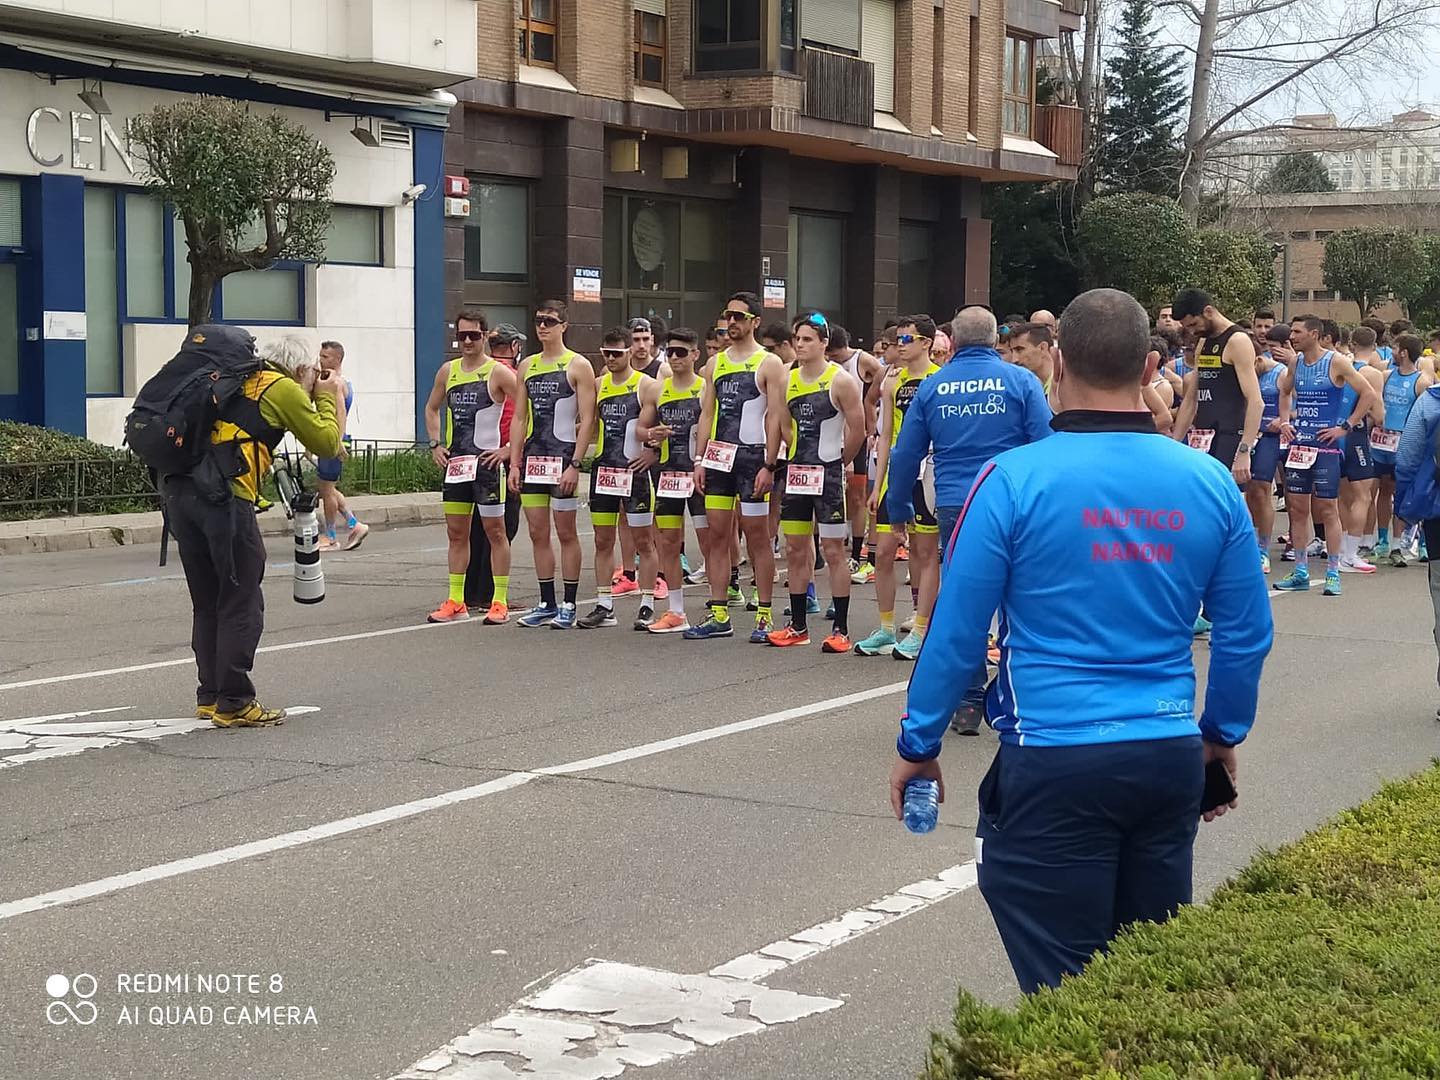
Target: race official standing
975 407
1097 545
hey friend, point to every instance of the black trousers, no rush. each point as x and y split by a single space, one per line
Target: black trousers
479 581
224 560
1076 842
1432 546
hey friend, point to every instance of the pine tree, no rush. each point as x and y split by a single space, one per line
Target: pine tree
1140 147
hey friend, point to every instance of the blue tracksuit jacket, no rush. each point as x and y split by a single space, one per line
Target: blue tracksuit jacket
1097 545
973 408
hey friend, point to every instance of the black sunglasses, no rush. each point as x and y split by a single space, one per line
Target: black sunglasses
677 351
544 321
469 335
613 352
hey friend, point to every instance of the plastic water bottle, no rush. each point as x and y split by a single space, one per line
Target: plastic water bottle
922 805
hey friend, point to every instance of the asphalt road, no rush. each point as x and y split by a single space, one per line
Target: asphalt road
596 796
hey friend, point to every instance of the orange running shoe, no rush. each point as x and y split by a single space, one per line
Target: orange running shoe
449 611
498 613
662 587
902 554
669 623
787 637
625 586
836 643
615 577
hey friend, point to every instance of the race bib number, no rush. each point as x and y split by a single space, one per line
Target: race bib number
544 470
610 481
1201 438
461 469
676 485
1384 439
1301 457
720 456
805 479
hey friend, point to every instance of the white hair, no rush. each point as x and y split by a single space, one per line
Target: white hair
974 326
291 354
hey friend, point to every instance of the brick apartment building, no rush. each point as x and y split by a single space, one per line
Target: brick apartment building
825 153
1299 224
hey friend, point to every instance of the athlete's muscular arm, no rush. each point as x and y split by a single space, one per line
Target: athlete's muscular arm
1364 402
772 382
1424 383
647 428
704 425
847 397
582 377
648 455
1376 379
1189 403
887 418
1240 353
868 367
433 405
502 389
518 429
1158 409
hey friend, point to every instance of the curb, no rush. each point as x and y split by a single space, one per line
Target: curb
131 530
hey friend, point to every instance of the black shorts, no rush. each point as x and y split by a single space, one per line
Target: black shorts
925 520
724 489
1359 460
486 491
670 513
799 512
639 505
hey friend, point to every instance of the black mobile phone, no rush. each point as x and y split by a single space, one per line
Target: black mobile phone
1219 788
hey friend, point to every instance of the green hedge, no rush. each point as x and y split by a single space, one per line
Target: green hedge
1319 960
40 477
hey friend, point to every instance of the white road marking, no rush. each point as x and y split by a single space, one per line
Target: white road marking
602 1017
385 815
41 738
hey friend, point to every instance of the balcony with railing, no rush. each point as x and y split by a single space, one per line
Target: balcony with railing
1058 128
838 87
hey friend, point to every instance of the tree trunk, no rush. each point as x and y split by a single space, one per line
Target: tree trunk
1086 93
202 295
1199 112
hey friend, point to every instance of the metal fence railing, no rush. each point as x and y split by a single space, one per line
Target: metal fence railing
121 484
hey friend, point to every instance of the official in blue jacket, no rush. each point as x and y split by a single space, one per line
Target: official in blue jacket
1417 487
975 407
1098 546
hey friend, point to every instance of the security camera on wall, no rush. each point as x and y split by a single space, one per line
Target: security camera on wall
411 194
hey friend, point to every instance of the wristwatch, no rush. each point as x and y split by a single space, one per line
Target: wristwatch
771 466
434 444
576 464
1245 448
1347 425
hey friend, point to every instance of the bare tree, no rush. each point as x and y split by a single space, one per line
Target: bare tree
1255 49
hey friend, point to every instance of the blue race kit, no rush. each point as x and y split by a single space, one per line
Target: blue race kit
973 408
1097 545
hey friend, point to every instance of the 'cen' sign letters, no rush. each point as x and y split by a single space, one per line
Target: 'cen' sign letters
45 139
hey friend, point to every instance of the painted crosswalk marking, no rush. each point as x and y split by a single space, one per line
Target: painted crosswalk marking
29 739
597 1020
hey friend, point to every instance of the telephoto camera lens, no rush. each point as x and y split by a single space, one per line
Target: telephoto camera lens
309 574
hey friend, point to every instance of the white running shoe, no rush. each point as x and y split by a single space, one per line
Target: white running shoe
1356 565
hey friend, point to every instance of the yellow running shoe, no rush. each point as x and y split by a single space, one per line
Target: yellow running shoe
252 715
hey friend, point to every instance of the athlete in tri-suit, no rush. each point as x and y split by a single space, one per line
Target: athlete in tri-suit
556 399
826 429
1404 383
470 392
737 457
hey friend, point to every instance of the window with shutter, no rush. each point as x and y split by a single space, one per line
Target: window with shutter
832 23
9 213
877 45
651 7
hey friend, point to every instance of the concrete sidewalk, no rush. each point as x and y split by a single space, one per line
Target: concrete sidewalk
113 530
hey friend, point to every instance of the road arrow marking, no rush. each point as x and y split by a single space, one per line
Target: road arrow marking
603 1017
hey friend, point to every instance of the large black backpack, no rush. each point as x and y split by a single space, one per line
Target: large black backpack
170 424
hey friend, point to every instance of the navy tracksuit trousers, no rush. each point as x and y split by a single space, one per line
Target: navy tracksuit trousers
1076 842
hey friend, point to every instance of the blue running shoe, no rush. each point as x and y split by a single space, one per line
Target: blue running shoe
877 644
711 627
1332 583
908 648
1202 626
565 619
761 634
539 615
830 610
1296 581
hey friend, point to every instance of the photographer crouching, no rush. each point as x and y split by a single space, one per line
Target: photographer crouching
244 403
